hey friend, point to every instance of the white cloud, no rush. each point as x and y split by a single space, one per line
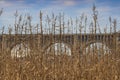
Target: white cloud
4 3
90 0
69 3
59 6
9 8
104 12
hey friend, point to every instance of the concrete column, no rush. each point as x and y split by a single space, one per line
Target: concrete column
4 43
39 46
75 46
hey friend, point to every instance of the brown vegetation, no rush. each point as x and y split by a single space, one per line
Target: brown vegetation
41 66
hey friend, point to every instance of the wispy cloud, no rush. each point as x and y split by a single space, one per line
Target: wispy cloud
72 2
71 8
90 0
4 3
9 8
69 3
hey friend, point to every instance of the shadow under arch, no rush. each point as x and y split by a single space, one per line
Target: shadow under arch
46 47
105 45
20 49
16 43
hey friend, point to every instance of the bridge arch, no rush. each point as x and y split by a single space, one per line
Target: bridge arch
19 50
63 44
99 45
12 45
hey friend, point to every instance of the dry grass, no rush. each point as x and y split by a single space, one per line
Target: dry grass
59 67
40 66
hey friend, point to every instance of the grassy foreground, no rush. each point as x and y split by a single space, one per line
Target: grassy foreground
63 67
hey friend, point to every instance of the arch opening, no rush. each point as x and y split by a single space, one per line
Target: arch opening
20 50
98 48
58 49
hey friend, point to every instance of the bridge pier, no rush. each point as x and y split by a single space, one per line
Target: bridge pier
4 46
4 43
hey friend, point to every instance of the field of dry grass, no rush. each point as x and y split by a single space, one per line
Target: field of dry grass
40 66
61 67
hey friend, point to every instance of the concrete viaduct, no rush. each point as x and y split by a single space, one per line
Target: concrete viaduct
76 42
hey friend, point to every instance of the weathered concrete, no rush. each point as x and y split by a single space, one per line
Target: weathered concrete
73 41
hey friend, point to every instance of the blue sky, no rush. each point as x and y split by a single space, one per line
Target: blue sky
71 8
